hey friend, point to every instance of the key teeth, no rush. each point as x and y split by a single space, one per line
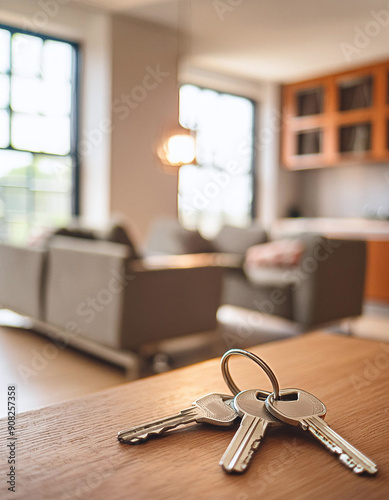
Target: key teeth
343 457
247 461
242 467
352 464
145 437
358 469
139 439
334 448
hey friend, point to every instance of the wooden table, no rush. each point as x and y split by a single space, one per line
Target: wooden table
69 450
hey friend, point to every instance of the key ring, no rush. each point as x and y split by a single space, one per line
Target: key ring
266 368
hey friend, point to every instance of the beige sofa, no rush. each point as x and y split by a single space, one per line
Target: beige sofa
95 296
326 286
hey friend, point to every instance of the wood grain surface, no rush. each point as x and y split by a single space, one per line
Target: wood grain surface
70 451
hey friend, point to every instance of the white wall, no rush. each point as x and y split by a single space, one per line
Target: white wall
145 103
347 191
93 31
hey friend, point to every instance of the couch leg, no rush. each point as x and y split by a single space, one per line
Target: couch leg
347 326
133 367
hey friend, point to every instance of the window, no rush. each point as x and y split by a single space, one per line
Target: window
38 133
219 190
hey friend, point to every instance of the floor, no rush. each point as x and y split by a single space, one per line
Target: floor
45 374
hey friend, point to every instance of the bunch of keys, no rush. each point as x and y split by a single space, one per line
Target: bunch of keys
257 410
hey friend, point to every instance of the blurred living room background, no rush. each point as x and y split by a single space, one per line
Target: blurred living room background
179 177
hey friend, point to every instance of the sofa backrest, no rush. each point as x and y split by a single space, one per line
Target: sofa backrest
237 240
114 232
168 237
85 282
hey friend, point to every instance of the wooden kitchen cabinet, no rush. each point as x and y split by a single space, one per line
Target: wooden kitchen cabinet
377 271
337 119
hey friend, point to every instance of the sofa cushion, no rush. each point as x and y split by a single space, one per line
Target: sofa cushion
280 253
274 296
168 237
237 240
269 276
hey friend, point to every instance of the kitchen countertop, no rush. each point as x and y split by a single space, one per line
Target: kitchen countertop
369 229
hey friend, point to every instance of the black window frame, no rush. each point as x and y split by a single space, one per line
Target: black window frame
74 115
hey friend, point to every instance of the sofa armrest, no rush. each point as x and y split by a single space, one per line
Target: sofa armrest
165 303
21 284
328 283
185 261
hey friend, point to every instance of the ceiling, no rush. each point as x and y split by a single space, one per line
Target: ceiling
280 40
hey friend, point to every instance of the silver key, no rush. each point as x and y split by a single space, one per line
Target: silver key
255 420
297 407
213 409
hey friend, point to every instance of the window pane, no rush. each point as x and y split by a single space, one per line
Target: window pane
241 192
26 94
11 160
235 123
4 50
39 133
26 55
56 135
17 176
51 209
4 129
27 132
220 189
52 174
16 200
4 91
225 132
17 232
192 180
189 103
56 98
57 60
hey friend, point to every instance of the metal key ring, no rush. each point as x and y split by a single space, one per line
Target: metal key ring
266 368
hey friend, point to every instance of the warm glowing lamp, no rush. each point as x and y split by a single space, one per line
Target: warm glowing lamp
178 148
178 145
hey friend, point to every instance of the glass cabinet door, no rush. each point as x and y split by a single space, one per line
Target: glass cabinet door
355 138
310 101
356 94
